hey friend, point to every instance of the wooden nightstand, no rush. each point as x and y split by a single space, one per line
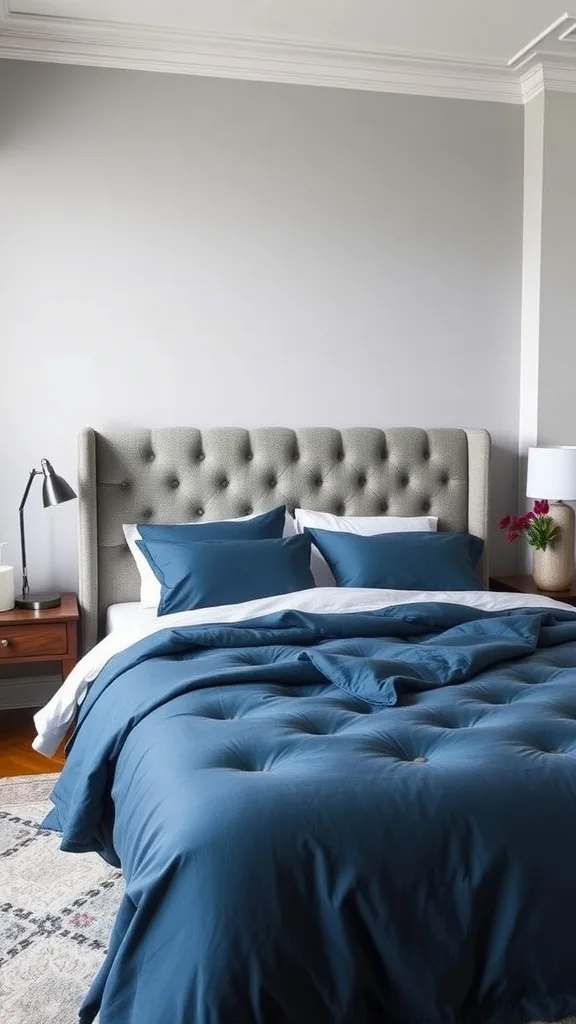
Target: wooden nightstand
50 635
526 585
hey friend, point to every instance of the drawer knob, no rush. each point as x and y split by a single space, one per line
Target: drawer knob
4 643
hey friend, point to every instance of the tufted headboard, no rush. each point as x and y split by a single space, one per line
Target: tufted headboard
184 474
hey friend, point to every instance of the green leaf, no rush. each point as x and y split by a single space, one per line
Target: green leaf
542 532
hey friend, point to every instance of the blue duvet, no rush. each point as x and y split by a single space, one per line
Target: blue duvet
335 819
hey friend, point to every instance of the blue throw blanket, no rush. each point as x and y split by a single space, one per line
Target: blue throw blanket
335 819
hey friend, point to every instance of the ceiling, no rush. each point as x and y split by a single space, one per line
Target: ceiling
486 49
490 30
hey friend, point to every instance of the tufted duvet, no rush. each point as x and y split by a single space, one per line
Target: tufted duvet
361 818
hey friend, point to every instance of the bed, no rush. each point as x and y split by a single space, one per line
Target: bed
338 807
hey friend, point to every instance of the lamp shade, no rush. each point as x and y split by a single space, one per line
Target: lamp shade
552 473
55 489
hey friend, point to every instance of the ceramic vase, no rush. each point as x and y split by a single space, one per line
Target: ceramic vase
553 569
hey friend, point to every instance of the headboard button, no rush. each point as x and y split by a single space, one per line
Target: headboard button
199 511
404 481
272 482
249 456
224 483
174 484
125 485
425 506
444 478
150 457
201 457
362 480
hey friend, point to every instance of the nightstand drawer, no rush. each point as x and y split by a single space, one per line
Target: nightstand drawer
33 641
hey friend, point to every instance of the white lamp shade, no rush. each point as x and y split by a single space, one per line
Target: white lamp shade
552 473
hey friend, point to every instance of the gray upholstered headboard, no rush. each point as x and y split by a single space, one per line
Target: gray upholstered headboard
181 474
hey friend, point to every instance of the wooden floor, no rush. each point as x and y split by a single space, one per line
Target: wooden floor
16 754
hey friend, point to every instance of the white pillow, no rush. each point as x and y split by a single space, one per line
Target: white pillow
150 589
364 526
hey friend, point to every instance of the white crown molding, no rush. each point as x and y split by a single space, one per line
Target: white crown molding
548 77
70 41
559 77
547 62
532 83
559 29
552 55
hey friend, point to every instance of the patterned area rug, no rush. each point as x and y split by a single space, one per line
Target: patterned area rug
56 911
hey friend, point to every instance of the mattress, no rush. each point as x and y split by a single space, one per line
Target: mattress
129 615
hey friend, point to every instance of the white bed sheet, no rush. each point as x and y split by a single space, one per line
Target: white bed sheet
53 720
129 615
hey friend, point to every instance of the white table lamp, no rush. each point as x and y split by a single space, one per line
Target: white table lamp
552 475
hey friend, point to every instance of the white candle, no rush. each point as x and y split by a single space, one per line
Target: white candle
6 588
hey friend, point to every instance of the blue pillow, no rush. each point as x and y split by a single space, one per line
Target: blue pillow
203 575
268 526
402 561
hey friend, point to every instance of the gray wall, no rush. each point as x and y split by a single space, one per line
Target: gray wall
557 353
180 250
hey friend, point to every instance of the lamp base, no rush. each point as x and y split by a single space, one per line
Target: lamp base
553 568
37 602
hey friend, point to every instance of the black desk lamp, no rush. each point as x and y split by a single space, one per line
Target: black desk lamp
55 491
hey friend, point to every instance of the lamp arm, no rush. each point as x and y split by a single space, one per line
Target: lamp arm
33 473
25 585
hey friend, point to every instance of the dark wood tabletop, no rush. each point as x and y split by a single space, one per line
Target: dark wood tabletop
68 609
524 584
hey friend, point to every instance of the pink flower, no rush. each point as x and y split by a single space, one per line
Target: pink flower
541 507
512 535
505 522
529 516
